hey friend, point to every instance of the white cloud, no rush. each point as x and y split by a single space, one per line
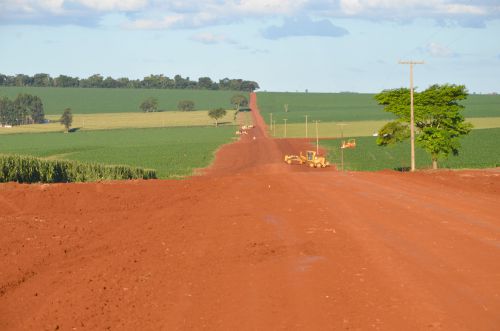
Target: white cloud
111 5
32 6
163 14
156 24
438 50
211 38
462 9
269 6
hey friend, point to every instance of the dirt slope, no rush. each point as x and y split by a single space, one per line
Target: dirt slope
254 244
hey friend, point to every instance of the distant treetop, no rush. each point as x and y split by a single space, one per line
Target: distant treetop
152 81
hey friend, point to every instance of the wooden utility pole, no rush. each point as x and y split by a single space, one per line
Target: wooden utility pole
317 138
274 128
285 119
412 116
342 142
306 126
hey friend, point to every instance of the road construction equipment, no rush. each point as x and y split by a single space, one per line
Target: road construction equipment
351 143
310 158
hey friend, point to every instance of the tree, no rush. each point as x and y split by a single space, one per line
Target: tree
238 101
66 119
185 105
66 81
205 83
439 123
149 105
28 109
216 114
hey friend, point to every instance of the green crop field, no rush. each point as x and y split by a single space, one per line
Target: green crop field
479 150
103 100
350 107
357 128
173 152
109 121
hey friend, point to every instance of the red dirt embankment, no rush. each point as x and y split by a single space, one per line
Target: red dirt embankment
254 244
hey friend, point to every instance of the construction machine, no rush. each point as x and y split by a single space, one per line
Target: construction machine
351 143
311 158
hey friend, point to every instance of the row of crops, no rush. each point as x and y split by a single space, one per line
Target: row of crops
27 169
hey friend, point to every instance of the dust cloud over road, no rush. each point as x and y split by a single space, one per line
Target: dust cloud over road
254 244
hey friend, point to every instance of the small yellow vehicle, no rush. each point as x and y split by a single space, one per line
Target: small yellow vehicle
311 159
351 143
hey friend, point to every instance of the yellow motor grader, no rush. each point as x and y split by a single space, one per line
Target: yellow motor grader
311 158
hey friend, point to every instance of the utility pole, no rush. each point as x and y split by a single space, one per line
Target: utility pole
342 142
274 128
285 119
306 126
317 138
412 116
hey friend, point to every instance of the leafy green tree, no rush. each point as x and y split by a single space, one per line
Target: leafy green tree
238 101
66 119
185 105
28 109
217 114
149 105
205 83
42 79
439 123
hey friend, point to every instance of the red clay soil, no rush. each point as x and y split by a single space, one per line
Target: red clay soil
254 244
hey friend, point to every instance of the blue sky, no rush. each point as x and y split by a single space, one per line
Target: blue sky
284 45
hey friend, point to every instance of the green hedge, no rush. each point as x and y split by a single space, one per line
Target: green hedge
26 169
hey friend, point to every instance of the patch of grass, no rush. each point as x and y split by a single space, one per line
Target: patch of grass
124 121
477 105
172 152
325 107
350 107
104 100
479 150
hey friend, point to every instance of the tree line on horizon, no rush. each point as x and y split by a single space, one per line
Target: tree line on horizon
149 82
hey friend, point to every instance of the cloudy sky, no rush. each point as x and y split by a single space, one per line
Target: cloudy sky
284 45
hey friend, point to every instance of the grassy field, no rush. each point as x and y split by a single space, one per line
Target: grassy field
479 150
101 100
357 128
349 107
85 122
173 152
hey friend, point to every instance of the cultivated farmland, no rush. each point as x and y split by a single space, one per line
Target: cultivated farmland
172 152
479 150
351 107
103 100
109 121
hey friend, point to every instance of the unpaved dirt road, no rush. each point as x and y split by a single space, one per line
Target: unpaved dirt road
254 244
